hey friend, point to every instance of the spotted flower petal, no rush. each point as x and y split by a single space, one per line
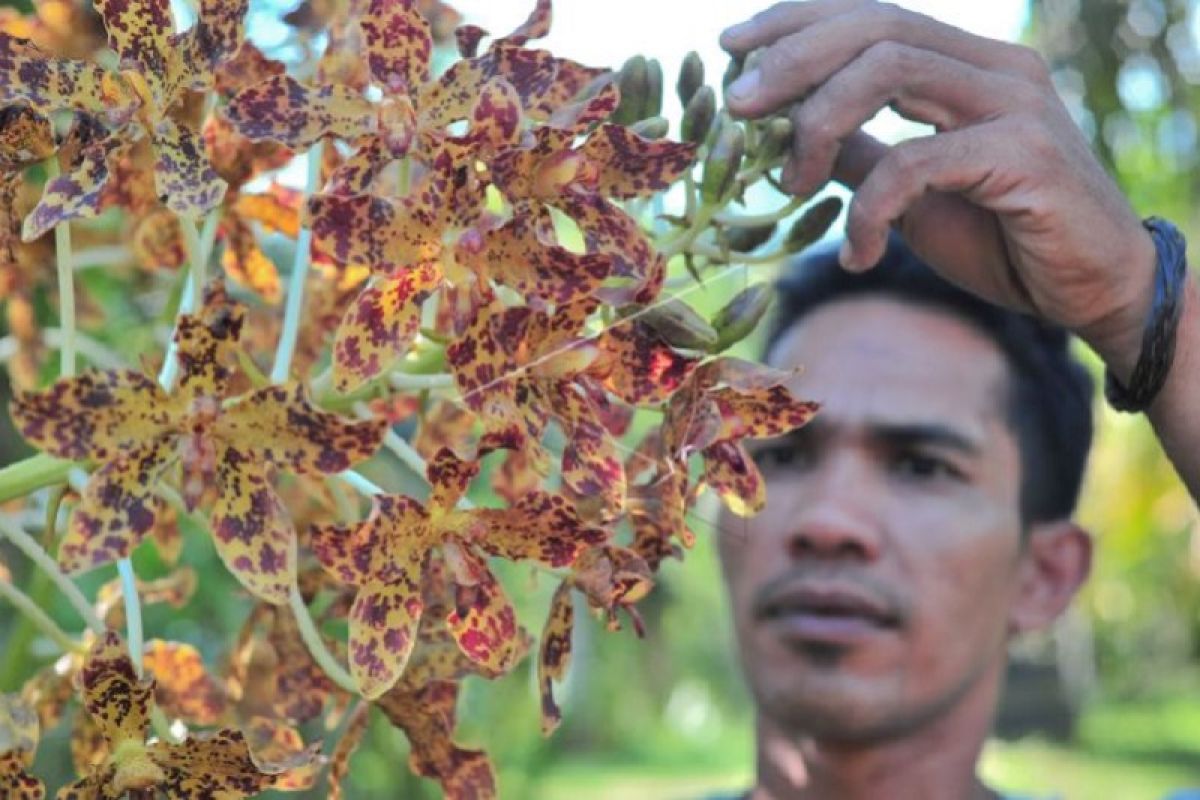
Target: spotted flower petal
384 234
279 425
244 262
29 75
381 325
539 526
536 26
19 731
216 765
205 345
633 166
216 38
636 365
183 688
118 507
554 653
113 695
398 45
285 110
79 192
185 180
25 137
140 33
251 528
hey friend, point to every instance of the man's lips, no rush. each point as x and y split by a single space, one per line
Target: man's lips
825 611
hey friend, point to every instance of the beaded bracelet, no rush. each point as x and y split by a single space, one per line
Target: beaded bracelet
1158 337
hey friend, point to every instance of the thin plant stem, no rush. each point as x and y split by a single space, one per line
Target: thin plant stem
755 220
360 484
34 551
33 473
66 284
316 647
403 381
199 250
295 291
40 618
133 613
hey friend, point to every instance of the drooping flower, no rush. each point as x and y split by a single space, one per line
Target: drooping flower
134 431
387 558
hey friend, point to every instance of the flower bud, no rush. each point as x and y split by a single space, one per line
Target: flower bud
741 315
652 128
749 239
776 139
814 223
691 78
679 325
633 81
698 116
733 71
723 162
652 106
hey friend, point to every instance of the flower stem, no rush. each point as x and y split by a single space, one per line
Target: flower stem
33 473
360 484
199 249
133 613
316 647
30 547
27 607
295 291
66 284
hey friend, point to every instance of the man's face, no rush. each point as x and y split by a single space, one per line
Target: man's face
874 589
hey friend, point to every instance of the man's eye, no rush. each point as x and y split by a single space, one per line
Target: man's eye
924 467
782 456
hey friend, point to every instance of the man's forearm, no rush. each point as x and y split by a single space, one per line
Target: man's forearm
1175 414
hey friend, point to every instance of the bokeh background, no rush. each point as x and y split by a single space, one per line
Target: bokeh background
1105 706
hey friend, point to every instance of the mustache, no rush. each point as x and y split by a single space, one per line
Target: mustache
881 593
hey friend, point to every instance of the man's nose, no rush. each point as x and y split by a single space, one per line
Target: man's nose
837 514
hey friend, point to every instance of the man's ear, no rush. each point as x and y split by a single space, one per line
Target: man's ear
1055 561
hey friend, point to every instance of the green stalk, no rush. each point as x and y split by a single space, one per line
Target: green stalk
134 636
36 472
39 618
30 547
312 639
66 284
295 292
21 637
199 249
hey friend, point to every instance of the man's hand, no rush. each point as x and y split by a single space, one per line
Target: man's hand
1005 198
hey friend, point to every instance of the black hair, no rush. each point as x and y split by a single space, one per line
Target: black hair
1050 397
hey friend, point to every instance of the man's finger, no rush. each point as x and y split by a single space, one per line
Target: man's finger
779 20
918 84
798 62
856 158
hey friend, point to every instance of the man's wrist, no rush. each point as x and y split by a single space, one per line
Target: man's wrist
1117 335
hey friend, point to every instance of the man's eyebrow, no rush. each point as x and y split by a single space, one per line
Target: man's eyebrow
924 433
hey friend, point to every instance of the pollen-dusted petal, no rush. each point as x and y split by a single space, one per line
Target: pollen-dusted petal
183 176
94 415
30 75
427 717
734 476
637 366
554 653
633 166
244 262
339 761
277 211
118 507
25 137
380 326
279 425
384 234
113 695
140 32
285 110
214 765
539 526
484 624
251 529
77 193
183 687
398 45
205 346
215 39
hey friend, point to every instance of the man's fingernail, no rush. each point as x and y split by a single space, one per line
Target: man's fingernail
745 87
736 31
846 256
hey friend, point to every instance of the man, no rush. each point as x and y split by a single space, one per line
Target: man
916 525
924 518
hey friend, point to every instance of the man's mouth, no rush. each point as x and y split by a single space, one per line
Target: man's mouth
825 611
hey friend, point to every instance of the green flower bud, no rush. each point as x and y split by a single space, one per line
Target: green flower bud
691 78
652 128
633 81
698 116
741 315
679 325
814 223
723 162
733 71
776 139
747 240
652 106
